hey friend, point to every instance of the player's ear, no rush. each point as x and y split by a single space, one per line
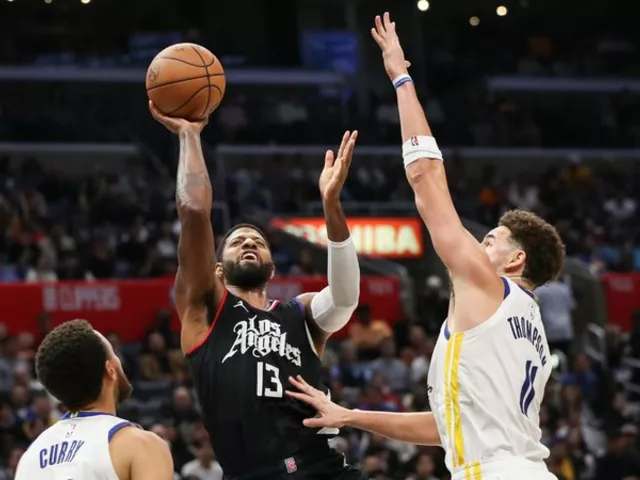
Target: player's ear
218 270
273 272
518 260
110 370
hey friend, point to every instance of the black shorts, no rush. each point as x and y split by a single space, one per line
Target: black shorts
331 466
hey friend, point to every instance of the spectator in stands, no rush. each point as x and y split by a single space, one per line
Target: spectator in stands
204 466
368 334
304 265
348 375
391 367
44 271
9 471
621 460
582 377
183 414
158 362
424 468
556 304
8 272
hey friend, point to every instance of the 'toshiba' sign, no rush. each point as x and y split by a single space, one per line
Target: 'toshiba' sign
379 237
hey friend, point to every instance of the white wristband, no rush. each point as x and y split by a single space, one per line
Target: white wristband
401 80
420 147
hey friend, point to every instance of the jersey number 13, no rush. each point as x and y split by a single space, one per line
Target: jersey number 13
268 381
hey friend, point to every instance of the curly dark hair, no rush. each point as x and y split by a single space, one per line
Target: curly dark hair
540 241
70 364
223 242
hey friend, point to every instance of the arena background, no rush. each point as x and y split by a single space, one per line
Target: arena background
536 103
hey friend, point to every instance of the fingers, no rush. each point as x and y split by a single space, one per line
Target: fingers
303 397
343 144
386 19
329 158
155 113
348 154
377 37
379 27
303 386
314 422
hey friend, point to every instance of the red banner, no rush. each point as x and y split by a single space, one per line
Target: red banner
129 307
378 237
622 291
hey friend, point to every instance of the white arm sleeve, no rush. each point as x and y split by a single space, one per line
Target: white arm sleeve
333 306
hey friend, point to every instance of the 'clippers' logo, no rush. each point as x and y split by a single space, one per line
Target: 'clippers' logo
290 464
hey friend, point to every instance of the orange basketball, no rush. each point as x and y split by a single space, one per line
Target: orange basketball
186 81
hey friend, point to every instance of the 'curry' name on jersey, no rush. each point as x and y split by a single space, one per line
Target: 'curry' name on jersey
63 452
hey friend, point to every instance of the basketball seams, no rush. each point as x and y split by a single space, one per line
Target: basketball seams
182 60
173 82
166 73
206 69
187 100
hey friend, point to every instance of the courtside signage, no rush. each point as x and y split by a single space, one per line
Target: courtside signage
378 237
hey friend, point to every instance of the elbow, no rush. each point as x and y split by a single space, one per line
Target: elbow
194 210
418 172
347 303
346 297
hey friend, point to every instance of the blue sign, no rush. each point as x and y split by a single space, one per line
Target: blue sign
335 51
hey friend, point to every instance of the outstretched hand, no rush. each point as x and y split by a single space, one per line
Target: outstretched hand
330 415
336 168
175 124
384 33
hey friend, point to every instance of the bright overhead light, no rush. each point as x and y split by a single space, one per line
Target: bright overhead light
501 11
423 5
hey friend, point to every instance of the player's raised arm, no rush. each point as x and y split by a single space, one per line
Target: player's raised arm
330 309
197 289
425 172
418 428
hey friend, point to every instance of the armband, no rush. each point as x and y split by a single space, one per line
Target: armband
401 80
420 147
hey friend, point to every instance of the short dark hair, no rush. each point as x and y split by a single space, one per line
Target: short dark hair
70 364
540 241
223 242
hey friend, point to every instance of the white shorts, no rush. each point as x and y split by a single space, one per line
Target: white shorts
505 469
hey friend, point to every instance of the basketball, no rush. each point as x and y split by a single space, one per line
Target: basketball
186 81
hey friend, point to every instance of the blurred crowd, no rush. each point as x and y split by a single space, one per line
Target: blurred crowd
587 420
125 226
461 113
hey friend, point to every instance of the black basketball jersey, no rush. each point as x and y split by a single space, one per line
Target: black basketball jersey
240 373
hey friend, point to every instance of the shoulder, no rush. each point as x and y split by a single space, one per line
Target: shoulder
131 442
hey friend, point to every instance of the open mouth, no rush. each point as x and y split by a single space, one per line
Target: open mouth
249 256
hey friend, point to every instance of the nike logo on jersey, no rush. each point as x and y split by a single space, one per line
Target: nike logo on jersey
262 337
241 304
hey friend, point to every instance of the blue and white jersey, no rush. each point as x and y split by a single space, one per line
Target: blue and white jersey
486 386
75 448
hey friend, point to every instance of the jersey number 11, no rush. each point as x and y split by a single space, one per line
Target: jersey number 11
268 381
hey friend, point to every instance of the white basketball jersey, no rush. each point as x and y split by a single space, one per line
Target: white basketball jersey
486 386
75 448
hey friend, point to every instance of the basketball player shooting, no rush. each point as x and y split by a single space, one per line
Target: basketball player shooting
78 366
242 346
491 361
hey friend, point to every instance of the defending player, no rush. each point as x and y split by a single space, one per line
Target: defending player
491 361
240 345
78 366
